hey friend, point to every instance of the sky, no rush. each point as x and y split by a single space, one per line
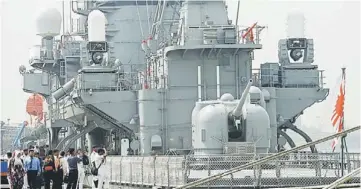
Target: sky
334 26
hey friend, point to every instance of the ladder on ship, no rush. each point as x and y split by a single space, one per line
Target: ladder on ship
96 111
76 136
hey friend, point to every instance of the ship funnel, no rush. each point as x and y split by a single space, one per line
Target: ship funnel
238 109
64 90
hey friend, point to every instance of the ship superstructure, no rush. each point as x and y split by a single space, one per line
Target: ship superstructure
169 77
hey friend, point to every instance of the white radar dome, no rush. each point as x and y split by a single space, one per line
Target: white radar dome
255 90
255 93
266 94
49 23
295 25
227 97
96 26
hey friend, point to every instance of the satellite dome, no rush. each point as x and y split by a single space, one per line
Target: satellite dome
96 26
49 23
266 94
254 89
227 97
295 24
255 94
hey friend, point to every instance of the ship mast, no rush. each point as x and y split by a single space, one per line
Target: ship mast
343 138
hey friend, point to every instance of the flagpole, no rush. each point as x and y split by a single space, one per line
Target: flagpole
343 138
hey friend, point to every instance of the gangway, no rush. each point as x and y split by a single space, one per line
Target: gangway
343 179
16 143
266 159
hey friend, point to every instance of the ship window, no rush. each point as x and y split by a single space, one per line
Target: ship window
203 135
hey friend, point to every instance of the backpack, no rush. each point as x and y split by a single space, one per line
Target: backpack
85 160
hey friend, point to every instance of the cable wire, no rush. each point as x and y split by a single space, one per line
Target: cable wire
148 16
140 21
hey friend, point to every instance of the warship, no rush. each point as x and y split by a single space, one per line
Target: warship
168 88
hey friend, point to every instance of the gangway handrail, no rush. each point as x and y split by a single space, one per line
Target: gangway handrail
265 159
343 179
353 185
62 142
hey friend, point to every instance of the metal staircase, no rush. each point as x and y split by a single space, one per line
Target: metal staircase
96 111
75 137
62 142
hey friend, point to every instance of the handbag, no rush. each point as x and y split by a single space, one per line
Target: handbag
49 165
48 168
94 169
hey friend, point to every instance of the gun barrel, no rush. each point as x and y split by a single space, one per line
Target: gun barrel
238 109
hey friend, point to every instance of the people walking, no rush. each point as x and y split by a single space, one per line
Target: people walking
10 157
32 168
99 165
82 167
39 178
58 173
64 165
73 161
25 155
92 159
49 168
16 171
55 167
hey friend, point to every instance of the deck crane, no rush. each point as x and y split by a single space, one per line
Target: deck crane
16 143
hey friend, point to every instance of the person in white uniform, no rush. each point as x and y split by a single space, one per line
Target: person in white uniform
81 170
92 159
65 166
100 164
24 157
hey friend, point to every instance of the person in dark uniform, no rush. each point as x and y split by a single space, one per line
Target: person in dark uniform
73 161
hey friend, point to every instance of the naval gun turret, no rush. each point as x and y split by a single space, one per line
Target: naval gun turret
216 123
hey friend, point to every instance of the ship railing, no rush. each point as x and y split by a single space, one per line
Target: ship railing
57 113
253 31
152 82
296 169
152 170
275 80
117 84
98 85
210 35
